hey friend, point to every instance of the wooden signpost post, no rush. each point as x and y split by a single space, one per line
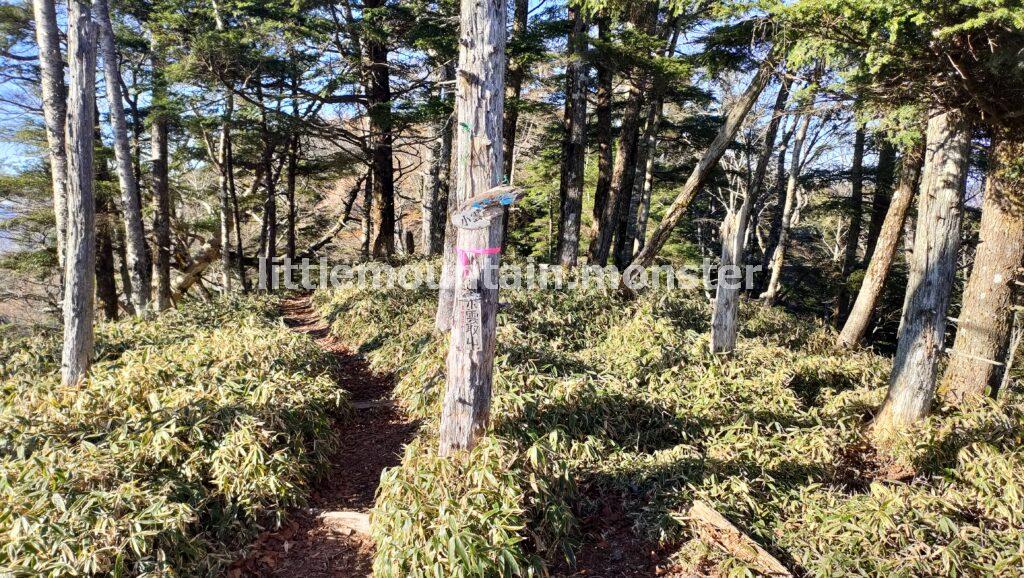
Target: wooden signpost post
480 106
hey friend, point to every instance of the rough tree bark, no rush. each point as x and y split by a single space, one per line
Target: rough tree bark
603 134
51 74
574 144
978 358
379 101
140 274
772 241
932 269
479 105
514 85
771 293
884 251
707 163
734 235
882 197
79 278
161 191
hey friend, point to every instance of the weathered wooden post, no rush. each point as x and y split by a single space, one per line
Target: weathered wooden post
479 104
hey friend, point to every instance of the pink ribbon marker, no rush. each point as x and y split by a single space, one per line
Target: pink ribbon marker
465 253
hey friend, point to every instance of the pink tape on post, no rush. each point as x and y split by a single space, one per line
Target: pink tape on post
465 253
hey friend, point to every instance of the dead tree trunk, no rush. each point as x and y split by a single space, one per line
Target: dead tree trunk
707 163
978 358
140 274
792 182
574 145
882 197
51 75
734 234
933 267
479 104
884 251
161 191
80 264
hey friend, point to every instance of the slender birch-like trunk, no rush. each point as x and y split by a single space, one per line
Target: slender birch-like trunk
574 146
855 208
978 358
480 104
779 256
932 270
884 251
80 263
733 120
140 274
51 73
734 235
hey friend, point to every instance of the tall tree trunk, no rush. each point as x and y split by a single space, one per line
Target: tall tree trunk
884 251
367 223
290 175
137 257
933 268
734 235
643 179
882 197
978 358
574 144
80 264
106 283
435 201
733 120
616 209
161 190
775 226
771 293
514 83
51 73
603 135
106 278
379 99
269 206
855 208
480 104
227 216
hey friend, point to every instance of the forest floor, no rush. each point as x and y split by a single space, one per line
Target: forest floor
323 539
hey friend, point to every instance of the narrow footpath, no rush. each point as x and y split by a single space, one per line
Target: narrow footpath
329 537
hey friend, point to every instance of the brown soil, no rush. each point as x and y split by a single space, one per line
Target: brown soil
309 545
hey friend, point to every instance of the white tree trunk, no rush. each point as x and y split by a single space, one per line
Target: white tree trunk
131 205
480 103
734 237
932 270
80 276
51 73
788 210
